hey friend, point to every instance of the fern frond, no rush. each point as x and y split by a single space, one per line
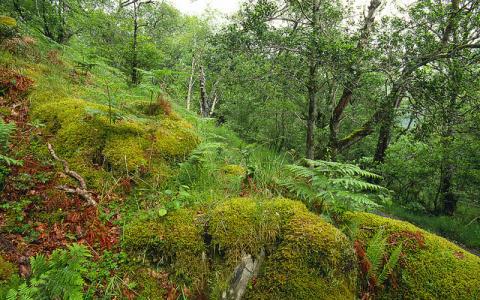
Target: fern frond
12 295
375 251
59 277
341 185
39 265
6 130
300 171
301 189
10 161
354 184
203 151
341 169
391 263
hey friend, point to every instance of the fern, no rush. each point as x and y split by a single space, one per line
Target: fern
59 277
391 263
376 251
340 185
203 151
375 254
6 130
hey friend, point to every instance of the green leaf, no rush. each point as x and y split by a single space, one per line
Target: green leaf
162 212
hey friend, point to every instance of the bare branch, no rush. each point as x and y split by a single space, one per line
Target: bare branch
82 190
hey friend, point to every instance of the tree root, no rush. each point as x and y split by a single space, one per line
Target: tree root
81 191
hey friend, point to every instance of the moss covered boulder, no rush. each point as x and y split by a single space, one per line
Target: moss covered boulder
430 266
305 257
174 241
96 139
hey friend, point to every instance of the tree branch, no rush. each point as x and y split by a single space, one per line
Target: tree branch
82 191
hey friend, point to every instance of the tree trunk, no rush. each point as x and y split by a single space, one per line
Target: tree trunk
383 137
134 71
190 84
449 200
388 122
312 82
447 203
213 104
347 94
204 109
312 110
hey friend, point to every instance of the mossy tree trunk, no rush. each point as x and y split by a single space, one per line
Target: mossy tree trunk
347 93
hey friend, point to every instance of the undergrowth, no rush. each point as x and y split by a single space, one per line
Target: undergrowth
463 227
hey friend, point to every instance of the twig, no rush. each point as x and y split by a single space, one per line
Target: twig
82 191
474 219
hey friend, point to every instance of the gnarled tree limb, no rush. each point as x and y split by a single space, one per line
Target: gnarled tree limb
82 191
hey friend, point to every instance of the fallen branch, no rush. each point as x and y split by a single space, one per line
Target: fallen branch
82 191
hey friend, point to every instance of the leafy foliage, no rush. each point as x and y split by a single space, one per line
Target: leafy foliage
58 277
337 184
376 265
6 130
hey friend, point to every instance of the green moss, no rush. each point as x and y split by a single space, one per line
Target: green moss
149 284
236 226
8 21
175 240
313 260
432 267
144 234
235 170
127 153
5 111
306 258
175 139
84 135
6 270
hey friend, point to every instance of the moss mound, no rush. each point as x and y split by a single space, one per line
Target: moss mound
306 258
431 267
96 140
175 241
6 269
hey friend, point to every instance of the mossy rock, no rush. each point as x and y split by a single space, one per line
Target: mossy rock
431 267
149 284
306 258
83 133
234 170
175 139
310 259
127 153
7 270
8 21
174 240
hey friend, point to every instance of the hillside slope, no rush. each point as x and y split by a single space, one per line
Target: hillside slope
178 212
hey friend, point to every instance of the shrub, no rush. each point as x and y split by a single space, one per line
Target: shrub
24 46
161 106
13 85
